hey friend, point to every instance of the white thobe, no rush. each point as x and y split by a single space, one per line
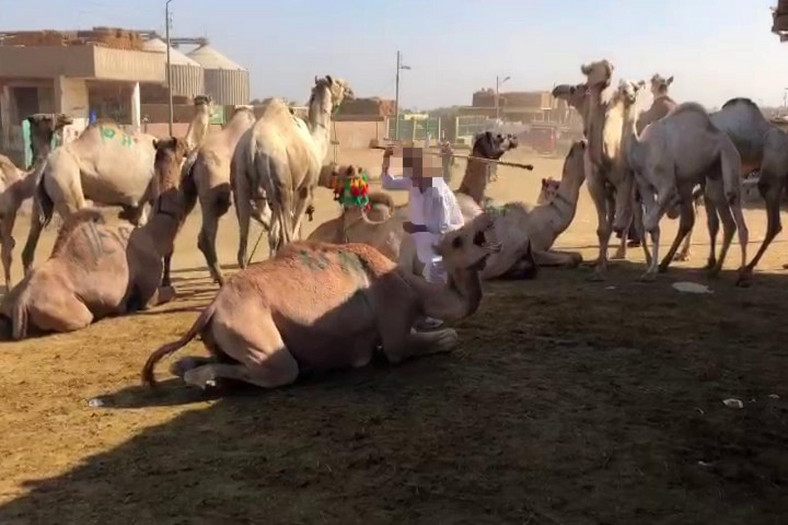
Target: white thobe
437 209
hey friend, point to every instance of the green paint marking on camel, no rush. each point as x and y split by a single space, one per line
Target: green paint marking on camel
319 262
126 140
349 262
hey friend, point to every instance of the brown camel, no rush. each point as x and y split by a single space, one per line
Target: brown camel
548 191
381 226
363 300
104 164
208 178
280 158
43 127
97 270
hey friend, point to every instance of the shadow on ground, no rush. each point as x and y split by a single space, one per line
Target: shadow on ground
569 402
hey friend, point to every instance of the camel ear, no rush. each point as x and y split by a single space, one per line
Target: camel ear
585 69
316 81
641 84
155 143
544 182
329 79
670 80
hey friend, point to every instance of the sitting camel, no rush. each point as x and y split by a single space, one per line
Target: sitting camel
279 160
381 225
521 229
97 270
104 164
671 157
548 191
207 177
363 301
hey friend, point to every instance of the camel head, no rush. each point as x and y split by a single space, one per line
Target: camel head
468 247
170 154
598 73
491 145
660 85
549 190
629 91
574 95
331 173
203 100
43 127
338 89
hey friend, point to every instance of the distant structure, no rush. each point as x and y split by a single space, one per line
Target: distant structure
780 20
225 81
188 77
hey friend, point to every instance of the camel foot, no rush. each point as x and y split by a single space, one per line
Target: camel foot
710 263
620 255
785 266
648 277
744 279
202 376
575 261
597 277
713 272
681 257
440 341
662 268
181 366
166 294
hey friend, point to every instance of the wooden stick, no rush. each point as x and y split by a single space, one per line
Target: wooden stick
528 167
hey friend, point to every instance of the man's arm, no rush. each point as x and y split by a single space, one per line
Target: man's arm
389 181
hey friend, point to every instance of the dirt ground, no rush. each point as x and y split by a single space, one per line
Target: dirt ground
568 402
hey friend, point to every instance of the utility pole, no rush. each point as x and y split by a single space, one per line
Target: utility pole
498 83
396 96
169 65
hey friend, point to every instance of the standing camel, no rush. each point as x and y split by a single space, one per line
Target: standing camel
671 157
97 270
104 164
281 156
16 186
327 306
208 178
608 168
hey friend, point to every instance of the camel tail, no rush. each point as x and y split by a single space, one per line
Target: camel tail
274 184
199 325
730 162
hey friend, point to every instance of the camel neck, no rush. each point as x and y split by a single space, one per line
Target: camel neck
162 228
474 183
319 119
456 300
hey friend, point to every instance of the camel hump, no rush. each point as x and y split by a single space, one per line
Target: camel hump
74 221
740 100
690 107
379 197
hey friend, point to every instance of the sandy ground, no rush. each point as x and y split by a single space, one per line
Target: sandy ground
568 402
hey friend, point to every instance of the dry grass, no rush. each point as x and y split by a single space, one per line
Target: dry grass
569 402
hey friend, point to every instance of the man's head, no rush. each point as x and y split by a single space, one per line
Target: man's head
420 166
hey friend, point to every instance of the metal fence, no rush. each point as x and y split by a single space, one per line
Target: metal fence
415 129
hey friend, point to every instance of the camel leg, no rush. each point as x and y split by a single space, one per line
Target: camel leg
684 253
243 211
654 209
304 201
637 220
713 225
36 225
60 312
604 225
686 222
717 194
184 364
498 264
7 239
556 258
165 280
206 242
420 343
771 189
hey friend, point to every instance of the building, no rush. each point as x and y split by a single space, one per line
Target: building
225 81
780 20
515 106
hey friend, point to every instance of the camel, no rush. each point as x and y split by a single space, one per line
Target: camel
381 225
200 123
607 170
16 185
279 160
207 177
661 104
672 156
527 234
764 147
104 164
98 270
362 301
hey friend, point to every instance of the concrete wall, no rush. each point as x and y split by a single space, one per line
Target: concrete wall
358 135
120 64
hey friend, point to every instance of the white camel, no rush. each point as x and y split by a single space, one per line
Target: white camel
669 159
279 160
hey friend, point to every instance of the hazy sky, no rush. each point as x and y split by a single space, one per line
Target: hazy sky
716 49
